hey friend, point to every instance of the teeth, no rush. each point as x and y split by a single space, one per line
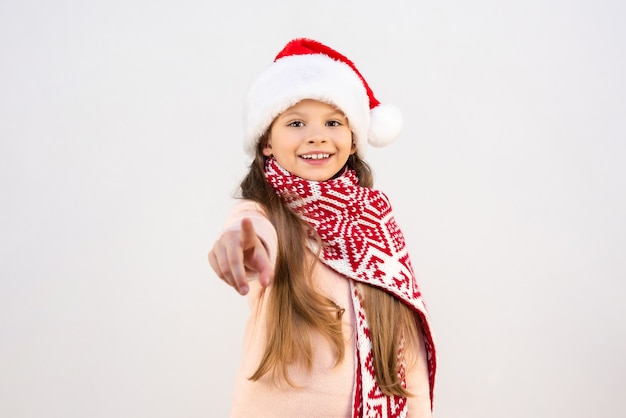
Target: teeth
315 156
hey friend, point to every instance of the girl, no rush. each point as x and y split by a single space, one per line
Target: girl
337 327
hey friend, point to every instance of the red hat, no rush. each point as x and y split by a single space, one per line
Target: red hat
307 69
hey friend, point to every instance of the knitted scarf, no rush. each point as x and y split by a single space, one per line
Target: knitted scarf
361 241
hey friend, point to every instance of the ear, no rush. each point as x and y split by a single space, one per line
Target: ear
353 149
267 150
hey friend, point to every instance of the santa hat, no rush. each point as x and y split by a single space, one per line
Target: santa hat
307 69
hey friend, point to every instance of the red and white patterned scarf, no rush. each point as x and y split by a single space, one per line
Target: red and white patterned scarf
362 242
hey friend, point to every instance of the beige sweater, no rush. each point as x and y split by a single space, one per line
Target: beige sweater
325 391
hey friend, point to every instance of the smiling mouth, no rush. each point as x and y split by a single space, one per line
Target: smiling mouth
315 156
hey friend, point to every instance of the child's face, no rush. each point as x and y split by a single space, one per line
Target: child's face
311 140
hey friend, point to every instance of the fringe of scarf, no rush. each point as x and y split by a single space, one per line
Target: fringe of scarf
362 241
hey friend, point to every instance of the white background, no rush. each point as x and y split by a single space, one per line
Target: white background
120 129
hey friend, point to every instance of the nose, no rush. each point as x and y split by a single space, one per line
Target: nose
316 135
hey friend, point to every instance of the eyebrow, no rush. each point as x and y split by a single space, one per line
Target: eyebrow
302 114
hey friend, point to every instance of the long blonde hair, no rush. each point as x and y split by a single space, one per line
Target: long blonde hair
296 307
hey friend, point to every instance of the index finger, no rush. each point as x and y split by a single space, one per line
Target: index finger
248 235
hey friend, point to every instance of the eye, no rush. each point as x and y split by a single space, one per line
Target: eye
296 124
333 123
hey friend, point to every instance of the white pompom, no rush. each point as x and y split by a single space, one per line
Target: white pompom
385 125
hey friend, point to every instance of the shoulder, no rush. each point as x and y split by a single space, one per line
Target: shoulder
244 208
247 206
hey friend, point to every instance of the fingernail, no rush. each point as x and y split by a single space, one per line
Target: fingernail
243 289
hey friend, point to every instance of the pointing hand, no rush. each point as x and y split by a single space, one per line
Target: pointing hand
238 254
